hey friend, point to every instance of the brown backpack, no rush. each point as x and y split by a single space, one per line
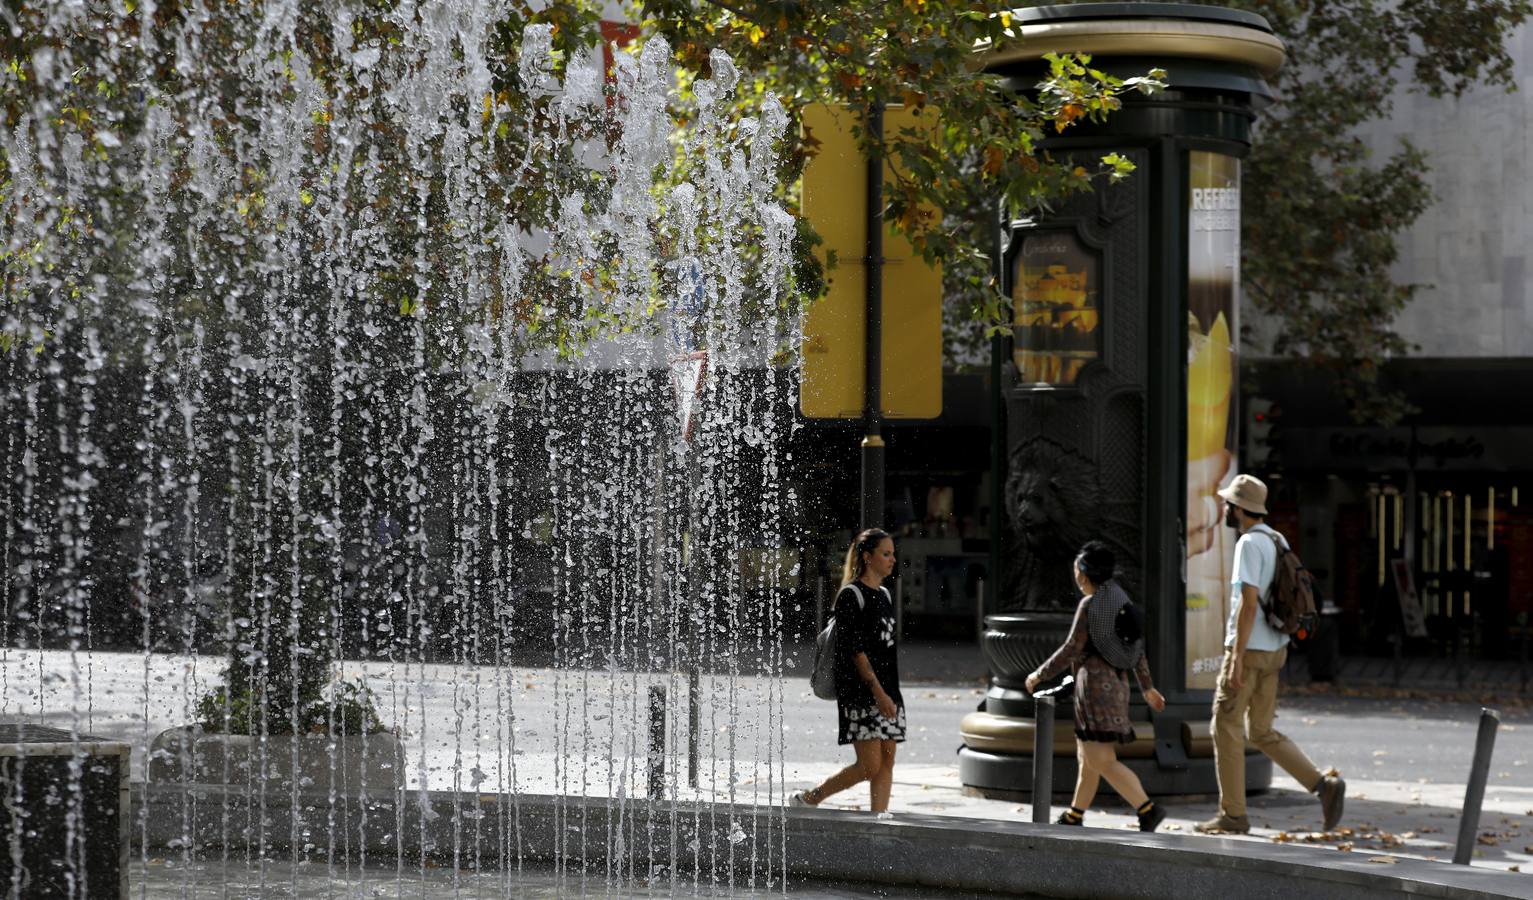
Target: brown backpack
1290 601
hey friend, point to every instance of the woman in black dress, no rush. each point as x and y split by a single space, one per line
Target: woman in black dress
870 710
1101 654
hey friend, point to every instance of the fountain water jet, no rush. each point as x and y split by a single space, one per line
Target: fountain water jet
337 380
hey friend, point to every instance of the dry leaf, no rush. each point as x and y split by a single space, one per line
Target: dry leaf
1345 847
1383 860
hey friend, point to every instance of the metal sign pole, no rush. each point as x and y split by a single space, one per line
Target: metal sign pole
872 410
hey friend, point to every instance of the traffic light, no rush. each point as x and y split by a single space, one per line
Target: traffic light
1264 434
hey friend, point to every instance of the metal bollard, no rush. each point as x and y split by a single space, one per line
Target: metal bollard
694 716
819 605
1474 794
1043 757
656 741
979 624
979 611
1527 629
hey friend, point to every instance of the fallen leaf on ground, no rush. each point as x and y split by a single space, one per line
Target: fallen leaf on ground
1514 868
1384 860
1345 848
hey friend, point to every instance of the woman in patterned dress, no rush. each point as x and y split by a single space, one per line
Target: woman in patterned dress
1101 654
870 710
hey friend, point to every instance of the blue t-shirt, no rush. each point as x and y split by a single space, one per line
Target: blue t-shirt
1255 564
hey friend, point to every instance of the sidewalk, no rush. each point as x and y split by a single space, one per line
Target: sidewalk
576 732
1384 819
1403 750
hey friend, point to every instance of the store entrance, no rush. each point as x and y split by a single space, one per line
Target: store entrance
1436 566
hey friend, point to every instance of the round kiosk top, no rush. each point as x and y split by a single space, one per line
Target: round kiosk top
1144 30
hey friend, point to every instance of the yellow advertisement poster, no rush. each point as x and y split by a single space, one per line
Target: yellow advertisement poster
1213 286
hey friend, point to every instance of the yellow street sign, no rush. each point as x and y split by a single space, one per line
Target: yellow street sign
835 327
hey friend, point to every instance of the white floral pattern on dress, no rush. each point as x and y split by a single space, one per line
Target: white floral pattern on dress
867 724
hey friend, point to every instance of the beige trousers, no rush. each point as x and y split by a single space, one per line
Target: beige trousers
1248 713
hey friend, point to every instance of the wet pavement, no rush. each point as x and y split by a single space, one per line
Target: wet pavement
160 879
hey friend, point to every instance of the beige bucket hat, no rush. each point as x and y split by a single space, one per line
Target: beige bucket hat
1247 492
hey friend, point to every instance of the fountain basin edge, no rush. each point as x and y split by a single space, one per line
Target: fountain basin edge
910 849
189 755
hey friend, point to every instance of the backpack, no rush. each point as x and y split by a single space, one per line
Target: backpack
822 676
1290 601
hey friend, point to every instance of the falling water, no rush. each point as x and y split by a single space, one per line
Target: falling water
386 358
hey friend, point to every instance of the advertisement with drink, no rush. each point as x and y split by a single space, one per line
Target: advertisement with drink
1213 284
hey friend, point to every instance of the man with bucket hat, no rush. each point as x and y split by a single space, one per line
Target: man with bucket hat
1245 702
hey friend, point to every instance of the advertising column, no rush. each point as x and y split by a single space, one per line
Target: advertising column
1213 284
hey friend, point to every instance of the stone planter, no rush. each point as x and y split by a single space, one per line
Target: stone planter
1016 643
189 755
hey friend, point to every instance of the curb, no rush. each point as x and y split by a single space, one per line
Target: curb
761 844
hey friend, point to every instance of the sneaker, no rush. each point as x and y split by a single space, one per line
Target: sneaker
1066 818
800 799
1333 797
1223 824
1150 819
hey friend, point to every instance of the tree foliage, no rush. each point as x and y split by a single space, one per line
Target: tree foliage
983 146
1322 216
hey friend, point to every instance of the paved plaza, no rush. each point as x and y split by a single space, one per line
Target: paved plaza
1405 758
